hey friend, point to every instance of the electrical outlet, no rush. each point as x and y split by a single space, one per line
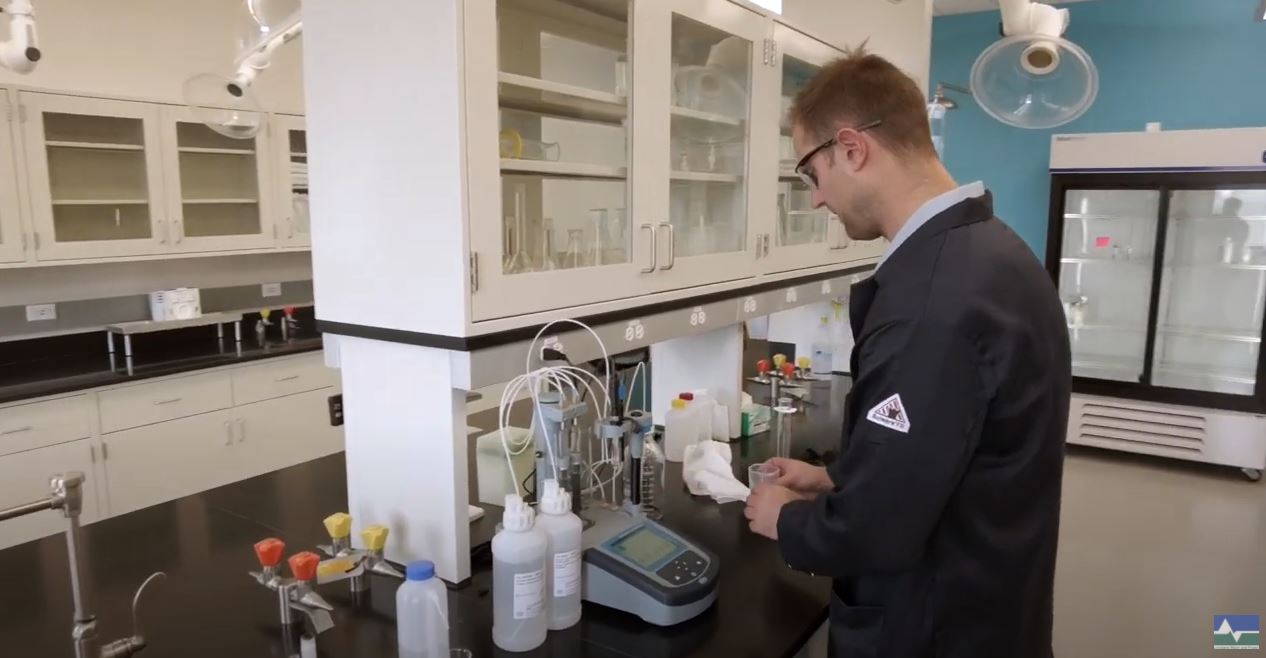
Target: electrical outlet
39 312
336 410
271 290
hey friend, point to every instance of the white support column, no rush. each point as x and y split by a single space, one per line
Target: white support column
713 361
406 451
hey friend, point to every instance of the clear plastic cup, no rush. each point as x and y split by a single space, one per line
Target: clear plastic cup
762 474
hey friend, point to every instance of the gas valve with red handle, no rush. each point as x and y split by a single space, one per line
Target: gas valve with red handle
269 552
303 567
789 371
762 371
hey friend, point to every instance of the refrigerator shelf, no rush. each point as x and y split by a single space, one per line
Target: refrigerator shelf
1106 327
1211 334
1136 260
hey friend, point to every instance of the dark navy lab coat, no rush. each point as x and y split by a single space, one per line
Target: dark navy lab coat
941 531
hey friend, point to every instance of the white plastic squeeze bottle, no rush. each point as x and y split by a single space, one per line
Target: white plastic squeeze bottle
422 613
518 580
562 557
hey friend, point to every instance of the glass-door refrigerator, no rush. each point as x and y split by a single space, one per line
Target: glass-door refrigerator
1162 273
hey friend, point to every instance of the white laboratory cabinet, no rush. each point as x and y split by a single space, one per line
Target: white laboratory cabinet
626 148
290 180
144 443
87 179
13 237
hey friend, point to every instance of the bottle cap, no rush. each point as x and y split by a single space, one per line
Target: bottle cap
555 500
686 396
679 404
518 516
420 570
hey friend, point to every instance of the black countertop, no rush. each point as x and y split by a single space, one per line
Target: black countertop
209 606
63 364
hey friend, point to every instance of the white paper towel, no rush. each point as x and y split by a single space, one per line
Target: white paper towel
707 472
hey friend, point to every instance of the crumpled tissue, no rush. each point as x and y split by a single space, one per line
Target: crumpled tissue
707 472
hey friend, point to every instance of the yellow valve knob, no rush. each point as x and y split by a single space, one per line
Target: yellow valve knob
374 537
264 313
779 359
339 525
802 362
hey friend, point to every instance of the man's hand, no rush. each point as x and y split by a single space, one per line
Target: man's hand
763 507
804 479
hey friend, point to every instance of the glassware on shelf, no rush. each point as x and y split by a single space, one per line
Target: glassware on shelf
547 245
598 220
574 258
621 75
516 258
513 145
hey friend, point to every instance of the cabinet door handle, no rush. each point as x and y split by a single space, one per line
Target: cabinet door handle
162 228
672 246
180 232
92 453
654 247
289 378
17 430
228 433
758 247
290 228
766 244
169 401
241 430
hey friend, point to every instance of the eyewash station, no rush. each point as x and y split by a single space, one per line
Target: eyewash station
590 224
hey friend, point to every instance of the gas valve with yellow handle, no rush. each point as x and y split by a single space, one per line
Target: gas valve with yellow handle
348 563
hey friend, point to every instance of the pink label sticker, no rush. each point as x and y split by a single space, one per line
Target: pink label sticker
1102 241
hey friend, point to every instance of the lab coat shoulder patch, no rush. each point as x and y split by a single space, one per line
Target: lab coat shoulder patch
891 414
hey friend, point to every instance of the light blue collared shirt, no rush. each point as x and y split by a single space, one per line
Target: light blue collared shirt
934 206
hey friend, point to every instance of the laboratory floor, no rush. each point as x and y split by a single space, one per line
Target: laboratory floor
1149 551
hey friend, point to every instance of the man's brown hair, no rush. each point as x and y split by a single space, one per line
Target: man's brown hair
859 88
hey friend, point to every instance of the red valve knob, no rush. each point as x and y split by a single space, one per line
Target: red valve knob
762 366
289 311
303 566
788 369
269 551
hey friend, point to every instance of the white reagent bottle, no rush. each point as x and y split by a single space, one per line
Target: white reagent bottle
422 613
518 580
562 557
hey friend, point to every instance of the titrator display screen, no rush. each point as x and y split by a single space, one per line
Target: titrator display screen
644 547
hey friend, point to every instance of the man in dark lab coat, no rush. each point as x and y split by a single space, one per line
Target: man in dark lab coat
940 519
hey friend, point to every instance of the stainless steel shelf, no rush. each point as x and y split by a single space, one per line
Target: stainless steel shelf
150 326
562 169
1218 266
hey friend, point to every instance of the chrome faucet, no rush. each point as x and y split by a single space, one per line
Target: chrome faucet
347 563
294 593
66 494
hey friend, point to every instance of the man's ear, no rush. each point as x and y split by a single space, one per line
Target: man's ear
854 148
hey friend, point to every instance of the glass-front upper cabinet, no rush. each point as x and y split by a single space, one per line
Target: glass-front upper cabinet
1213 288
801 235
707 100
290 143
13 240
95 172
1106 279
218 192
548 121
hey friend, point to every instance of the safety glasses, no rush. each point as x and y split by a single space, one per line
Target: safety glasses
809 176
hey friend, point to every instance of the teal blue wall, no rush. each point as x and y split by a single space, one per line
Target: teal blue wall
1185 63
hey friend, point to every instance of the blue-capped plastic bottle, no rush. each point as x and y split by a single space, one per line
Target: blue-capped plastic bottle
422 613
